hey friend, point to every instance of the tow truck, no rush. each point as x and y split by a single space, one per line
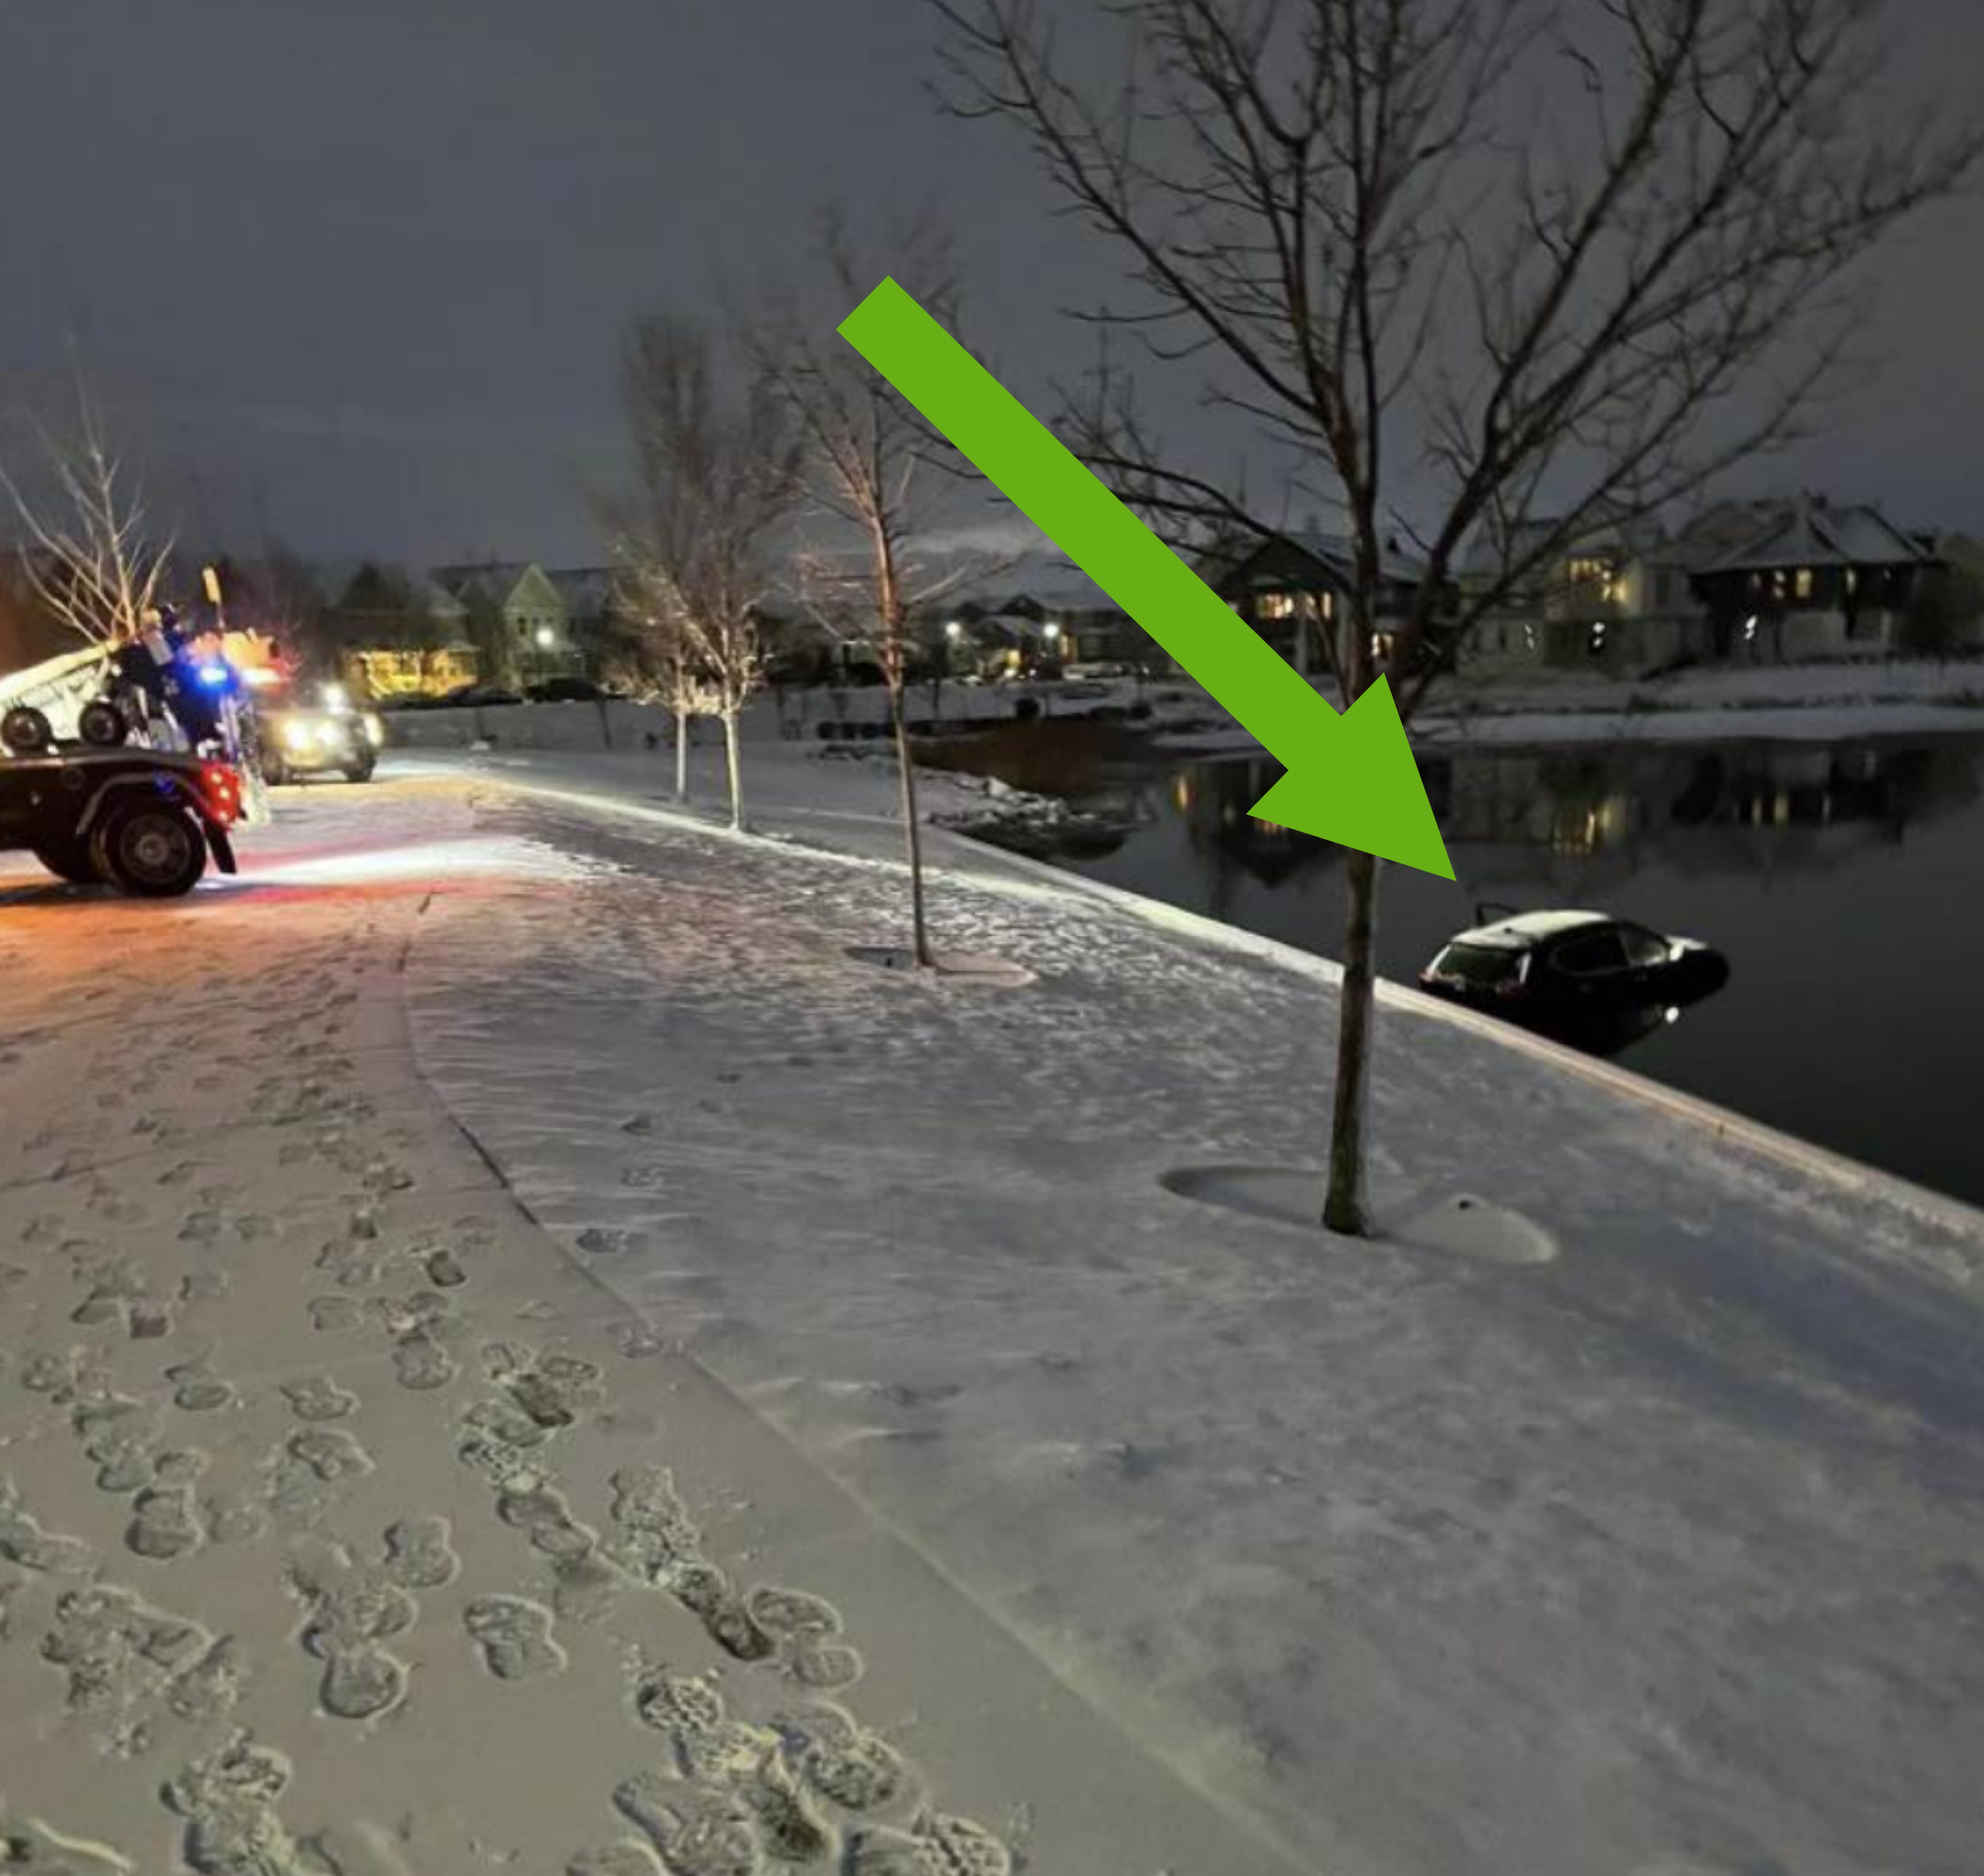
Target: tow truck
148 821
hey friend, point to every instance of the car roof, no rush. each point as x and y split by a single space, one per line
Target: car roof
1528 928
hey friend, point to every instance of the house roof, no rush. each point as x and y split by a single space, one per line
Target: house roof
1492 548
1336 553
498 578
1050 583
1805 532
584 589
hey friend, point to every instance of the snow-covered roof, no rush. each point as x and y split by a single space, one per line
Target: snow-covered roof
584 589
1050 584
1808 532
1525 928
1336 553
1493 548
498 578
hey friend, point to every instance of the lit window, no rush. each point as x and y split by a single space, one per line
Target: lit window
1598 576
1805 582
1277 605
1326 604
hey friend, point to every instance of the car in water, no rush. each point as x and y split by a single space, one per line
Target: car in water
146 821
300 734
1585 978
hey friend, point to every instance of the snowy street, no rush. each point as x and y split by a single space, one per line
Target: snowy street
520 1348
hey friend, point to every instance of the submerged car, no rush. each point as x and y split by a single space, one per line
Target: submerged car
1586 978
298 736
145 820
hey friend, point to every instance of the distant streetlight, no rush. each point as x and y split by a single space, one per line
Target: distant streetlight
546 638
953 630
1052 630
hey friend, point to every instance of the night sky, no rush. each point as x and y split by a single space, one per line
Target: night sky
358 269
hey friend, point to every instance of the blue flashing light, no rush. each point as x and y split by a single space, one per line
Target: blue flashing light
214 674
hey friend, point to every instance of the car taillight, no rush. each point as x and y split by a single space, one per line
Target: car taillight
223 789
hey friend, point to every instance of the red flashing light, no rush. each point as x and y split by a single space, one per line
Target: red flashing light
223 792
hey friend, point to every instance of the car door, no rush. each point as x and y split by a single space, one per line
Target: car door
1649 958
1592 969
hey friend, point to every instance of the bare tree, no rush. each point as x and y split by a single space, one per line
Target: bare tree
664 665
716 479
1503 265
89 551
873 473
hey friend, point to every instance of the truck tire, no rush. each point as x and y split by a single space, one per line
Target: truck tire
27 731
102 724
151 850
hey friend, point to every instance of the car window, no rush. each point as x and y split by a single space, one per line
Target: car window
1643 947
1477 962
1590 956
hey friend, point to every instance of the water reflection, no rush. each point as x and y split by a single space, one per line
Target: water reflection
1216 804
1845 884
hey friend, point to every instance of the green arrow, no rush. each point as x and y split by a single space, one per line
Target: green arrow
1351 776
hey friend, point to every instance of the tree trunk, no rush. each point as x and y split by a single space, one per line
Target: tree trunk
732 760
913 834
682 755
1344 1207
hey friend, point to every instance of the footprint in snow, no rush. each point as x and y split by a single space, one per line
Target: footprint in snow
316 1397
514 1637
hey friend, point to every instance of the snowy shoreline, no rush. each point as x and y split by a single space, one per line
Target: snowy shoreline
1435 1558
853 819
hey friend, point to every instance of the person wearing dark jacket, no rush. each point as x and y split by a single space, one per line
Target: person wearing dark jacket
201 682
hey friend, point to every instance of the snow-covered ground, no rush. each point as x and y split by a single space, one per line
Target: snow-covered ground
1797 702
1814 703
1622 1517
348 1529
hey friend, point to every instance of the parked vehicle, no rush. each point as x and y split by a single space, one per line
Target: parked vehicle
296 735
145 820
1588 979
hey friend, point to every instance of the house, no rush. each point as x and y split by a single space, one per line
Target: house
1075 622
390 635
595 619
1292 589
516 617
1806 578
1612 597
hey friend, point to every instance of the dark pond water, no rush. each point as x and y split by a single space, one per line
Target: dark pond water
1845 884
